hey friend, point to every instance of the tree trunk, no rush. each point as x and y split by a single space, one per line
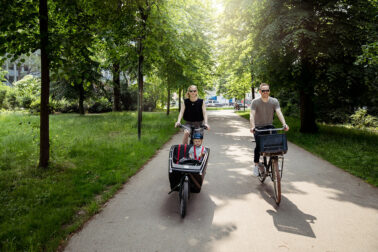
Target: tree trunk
140 88
179 100
308 124
252 86
169 97
81 99
44 146
144 17
306 94
116 88
244 100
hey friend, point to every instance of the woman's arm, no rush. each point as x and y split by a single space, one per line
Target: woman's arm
180 114
205 116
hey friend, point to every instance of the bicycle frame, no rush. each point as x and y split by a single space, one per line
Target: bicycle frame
272 167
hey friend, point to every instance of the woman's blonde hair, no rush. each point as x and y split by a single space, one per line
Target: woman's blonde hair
187 92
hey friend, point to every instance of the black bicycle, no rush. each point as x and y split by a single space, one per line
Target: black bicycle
186 175
272 147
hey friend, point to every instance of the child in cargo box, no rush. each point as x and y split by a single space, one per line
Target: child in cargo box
197 151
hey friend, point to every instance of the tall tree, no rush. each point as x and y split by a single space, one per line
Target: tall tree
45 85
20 23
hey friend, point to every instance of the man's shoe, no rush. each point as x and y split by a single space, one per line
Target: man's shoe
261 168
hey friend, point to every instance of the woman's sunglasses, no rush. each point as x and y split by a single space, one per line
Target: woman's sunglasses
192 91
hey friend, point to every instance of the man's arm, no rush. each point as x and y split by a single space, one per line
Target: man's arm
282 119
252 120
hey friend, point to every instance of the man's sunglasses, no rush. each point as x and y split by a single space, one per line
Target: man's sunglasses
192 91
265 90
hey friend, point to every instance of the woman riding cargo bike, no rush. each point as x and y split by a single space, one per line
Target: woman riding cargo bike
188 162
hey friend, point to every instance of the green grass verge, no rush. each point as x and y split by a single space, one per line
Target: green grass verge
353 150
91 157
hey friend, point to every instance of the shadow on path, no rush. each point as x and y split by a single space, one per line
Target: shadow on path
287 217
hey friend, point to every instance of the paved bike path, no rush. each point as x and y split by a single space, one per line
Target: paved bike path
323 208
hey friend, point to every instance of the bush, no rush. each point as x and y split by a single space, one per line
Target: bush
65 106
26 101
35 106
28 86
99 106
3 95
361 119
12 99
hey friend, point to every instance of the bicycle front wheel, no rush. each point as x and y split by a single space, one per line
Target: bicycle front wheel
276 175
184 195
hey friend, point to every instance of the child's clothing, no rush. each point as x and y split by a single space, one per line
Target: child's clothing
195 152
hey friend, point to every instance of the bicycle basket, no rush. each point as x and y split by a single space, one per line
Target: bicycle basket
273 143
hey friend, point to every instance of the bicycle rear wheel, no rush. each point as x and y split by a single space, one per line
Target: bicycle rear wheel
276 175
280 165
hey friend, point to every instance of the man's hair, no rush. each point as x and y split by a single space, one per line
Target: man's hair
263 84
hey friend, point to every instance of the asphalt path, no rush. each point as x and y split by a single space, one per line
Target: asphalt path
322 208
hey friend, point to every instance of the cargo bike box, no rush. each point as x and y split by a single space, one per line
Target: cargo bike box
180 164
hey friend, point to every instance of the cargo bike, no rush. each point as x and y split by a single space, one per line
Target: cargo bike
272 147
186 175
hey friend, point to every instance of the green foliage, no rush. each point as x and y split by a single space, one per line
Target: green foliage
22 95
12 99
92 156
361 119
4 90
294 45
369 54
99 106
26 102
2 75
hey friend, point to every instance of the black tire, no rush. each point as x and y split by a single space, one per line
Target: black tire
184 195
276 176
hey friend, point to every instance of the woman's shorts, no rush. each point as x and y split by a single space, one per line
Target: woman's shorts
195 125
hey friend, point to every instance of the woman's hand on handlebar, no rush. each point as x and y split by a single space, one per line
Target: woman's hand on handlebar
177 124
207 126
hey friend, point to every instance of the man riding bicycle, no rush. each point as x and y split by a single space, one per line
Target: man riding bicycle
261 117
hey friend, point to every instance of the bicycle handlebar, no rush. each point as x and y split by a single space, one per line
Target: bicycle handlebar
265 130
188 128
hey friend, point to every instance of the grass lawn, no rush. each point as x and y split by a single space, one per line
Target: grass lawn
353 150
91 157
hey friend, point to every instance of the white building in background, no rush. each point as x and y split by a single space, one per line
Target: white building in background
17 70
212 95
